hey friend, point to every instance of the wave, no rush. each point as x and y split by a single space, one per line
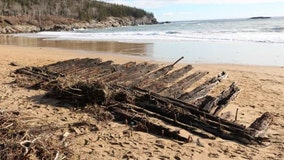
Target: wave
278 29
262 31
259 37
172 32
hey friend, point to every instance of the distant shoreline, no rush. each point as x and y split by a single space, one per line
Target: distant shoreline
260 17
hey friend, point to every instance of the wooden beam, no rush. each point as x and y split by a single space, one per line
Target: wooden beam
203 89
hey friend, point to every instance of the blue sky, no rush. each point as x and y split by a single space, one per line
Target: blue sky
176 10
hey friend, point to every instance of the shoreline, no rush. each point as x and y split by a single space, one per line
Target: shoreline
46 55
262 90
118 58
141 50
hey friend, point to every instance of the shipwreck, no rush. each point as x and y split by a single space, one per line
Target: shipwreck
141 93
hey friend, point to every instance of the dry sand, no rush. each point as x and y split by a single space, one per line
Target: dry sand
262 90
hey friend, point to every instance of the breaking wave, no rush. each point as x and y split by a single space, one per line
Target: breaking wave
266 31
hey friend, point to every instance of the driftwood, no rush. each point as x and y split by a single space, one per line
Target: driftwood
141 92
23 140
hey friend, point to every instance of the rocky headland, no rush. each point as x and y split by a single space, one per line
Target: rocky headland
37 15
260 17
13 24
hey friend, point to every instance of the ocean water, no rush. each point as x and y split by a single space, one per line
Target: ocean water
238 41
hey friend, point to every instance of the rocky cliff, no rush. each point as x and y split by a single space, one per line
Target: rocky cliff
17 25
19 16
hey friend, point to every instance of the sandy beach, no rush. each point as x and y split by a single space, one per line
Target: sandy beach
262 90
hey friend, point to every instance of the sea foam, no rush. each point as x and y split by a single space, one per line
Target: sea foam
259 31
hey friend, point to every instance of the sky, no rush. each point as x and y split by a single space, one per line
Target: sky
178 10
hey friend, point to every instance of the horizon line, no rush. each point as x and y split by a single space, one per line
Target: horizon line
271 17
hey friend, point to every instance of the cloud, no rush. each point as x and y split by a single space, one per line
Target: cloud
161 3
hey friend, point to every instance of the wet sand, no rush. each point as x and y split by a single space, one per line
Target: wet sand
262 91
221 52
111 47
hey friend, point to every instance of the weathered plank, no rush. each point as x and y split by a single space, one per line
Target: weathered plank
203 89
164 81
178 88
172 108
92 73
215 105
65 66
140 70
81 93
145 80
114 69
259 127
122 71
35 76
168 120
225 98
203 120
91 68
178 103
33 72
145 124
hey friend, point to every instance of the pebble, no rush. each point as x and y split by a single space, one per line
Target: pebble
86 150
213 155
36 106
199 143
14 64
76 130
160 143
86 142
177 158
64 119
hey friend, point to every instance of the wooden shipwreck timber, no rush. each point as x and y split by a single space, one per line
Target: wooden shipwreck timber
148 97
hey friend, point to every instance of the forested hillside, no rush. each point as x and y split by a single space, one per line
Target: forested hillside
47 13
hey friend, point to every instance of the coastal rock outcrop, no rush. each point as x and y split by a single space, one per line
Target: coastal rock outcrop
10 25
19 29
37 15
